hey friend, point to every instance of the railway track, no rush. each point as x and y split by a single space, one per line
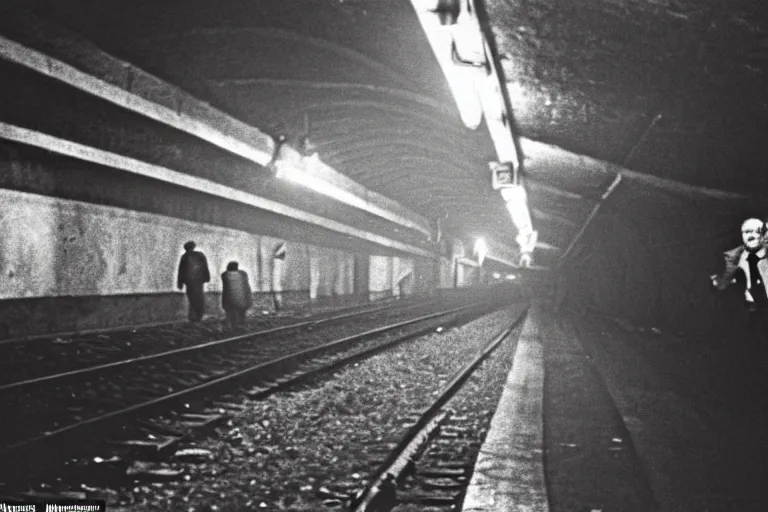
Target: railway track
25 364
431 464
148 418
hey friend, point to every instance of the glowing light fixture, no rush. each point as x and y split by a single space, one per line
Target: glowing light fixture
517 205
458 46
462 85
490 96
288 172
481 249
311 173
307 178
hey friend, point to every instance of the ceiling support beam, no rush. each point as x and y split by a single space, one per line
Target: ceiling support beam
156 172
180 111
120 83
546 160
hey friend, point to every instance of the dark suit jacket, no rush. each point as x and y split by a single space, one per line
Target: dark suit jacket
193 268
737 268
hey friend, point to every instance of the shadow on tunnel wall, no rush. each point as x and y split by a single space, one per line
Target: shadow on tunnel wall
621 272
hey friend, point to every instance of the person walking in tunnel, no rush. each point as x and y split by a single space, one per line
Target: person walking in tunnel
193 272
236 295
748 264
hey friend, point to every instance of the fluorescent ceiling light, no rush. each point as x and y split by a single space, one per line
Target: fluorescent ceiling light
462 79
517 206
289 172
302 172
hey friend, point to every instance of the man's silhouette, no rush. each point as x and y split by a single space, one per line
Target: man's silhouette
193 272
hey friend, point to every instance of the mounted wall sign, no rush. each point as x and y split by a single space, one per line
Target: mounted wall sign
502 175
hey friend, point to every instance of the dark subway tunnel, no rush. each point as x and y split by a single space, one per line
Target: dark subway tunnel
675 94
360 136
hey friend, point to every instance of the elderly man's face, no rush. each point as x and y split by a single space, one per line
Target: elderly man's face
751 233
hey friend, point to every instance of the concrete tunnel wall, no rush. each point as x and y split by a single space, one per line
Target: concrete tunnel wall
653 269
391 276
70 265
86 247
91 246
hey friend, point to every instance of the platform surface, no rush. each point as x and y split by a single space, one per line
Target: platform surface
597 415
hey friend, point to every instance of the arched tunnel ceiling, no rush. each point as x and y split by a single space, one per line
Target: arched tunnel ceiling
673 88
670 88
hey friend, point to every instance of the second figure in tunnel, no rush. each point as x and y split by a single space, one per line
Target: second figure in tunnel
747 265
236 295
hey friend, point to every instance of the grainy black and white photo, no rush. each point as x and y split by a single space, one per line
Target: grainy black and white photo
384 255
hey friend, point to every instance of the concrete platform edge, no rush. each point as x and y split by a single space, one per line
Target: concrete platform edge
509 472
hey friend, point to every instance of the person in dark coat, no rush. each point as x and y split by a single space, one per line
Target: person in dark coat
193 272
236 295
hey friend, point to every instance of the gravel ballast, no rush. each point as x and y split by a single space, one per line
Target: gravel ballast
310 448
40 357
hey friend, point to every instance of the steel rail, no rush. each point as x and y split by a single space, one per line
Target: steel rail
262 368
401 456
150 357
